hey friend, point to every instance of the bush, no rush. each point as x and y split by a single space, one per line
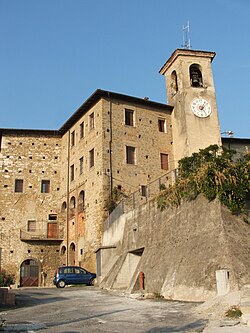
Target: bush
233 312
214 173
6 279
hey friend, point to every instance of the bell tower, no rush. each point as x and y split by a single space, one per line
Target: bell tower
190 89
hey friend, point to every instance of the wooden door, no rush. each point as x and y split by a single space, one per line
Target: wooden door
52 231
29 273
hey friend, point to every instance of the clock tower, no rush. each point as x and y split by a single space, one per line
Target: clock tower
190 89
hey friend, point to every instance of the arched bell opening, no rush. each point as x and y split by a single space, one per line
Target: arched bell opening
195 73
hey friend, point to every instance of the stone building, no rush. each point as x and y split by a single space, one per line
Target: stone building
57 186
30 232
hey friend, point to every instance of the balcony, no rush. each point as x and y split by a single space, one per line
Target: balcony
42 231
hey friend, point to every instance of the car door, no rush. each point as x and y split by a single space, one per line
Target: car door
69 275
81 275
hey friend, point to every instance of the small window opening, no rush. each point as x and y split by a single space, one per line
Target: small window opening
45 186
129 117
91 121
81 165
82 130
52 217
130 155
174 84
162 125
72 172
72 135
18 185
91 158
143 190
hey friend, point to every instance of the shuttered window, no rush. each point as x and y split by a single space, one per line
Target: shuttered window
31 225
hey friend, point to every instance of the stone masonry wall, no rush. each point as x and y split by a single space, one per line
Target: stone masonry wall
32 158
108 138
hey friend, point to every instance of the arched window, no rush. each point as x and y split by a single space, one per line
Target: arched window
72 205
195 75
64 206
81 201
174 83
72 202
63 250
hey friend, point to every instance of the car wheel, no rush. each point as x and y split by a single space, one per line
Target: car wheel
91 282
61 284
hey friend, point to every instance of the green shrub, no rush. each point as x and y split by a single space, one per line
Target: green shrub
6 279
233 312
214 173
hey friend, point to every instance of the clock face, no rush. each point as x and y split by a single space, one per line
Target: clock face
201 108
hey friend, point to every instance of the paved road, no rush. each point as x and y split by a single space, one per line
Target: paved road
89 309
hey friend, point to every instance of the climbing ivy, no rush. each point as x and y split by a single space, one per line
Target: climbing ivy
116 197
215 173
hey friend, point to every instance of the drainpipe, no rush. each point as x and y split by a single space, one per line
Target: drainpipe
110 146
67 201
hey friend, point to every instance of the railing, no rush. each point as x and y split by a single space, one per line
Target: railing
43 231
140 197
137 198
116 213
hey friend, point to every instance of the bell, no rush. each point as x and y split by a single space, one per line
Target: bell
195 79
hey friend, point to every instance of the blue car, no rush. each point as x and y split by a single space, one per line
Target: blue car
72 275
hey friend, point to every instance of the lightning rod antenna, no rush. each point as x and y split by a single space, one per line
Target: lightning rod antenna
186 39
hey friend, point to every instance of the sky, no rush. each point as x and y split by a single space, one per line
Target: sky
56 53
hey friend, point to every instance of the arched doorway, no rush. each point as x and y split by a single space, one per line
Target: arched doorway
72 250
29 272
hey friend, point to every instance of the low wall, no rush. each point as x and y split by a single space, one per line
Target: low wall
7 297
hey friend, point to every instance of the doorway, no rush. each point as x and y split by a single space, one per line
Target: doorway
29 272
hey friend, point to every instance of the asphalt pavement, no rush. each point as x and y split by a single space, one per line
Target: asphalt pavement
89 309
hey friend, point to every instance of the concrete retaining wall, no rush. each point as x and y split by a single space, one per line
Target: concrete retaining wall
180 250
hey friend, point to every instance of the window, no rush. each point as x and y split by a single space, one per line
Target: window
81 201
31 225
91 158
130 155
72 138
164 161
91 121
72 172
174 83
64 206
52 217
143 190
82 130
72 202
162 125
129 117
45 186
18 185
81 165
